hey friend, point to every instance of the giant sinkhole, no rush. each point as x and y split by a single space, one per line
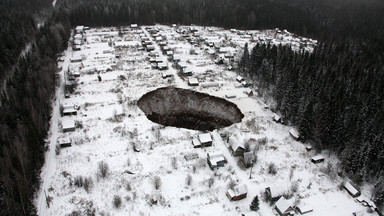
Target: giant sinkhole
185 108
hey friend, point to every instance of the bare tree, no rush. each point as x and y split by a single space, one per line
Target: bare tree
103 169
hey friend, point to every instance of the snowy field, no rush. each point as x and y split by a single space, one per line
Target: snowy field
110 127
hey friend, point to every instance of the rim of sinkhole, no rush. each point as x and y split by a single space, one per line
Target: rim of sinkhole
184 108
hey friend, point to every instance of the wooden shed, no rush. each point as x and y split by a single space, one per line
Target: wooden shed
351 189
64 142
68 125
317 159
238 193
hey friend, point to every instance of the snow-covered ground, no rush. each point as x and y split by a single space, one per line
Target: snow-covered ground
110 124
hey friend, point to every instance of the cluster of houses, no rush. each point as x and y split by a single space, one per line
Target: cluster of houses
79 37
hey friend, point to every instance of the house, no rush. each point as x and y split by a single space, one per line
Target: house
303 209
351 189
176 58
69 109
249 92
317 159
275 192
283 207
193 81
181 65
196 143
187 71
64 142
238 193
68 125
166 74
215 160
79 29
205 139
236 147
162 66
239 79
76 59
169 53
150 48
294 134
276 118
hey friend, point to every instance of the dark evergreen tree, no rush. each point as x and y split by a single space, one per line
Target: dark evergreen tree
255 204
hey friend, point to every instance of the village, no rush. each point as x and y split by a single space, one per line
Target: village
108 158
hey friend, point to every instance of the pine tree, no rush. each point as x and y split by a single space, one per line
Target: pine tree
244 61
255 204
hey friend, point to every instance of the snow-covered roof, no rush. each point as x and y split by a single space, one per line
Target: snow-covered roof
283 205
235 143
169 53
276 117
317 158
162 64
215 157
196 142
193 81
277 190
69 109
294 133
68 124
303 208
240 189
204 138
63 140
166 74
348 186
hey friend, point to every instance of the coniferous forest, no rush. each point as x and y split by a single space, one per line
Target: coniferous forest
335 95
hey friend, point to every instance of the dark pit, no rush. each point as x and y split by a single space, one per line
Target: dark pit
185 108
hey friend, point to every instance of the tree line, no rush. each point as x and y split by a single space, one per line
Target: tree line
335 97
25 107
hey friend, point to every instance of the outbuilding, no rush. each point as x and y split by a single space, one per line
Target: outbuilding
193 81
68 125
294 134
351 189
69 109
317 159
64 142
239 192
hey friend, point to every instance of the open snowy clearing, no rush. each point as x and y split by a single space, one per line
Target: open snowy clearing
110 127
